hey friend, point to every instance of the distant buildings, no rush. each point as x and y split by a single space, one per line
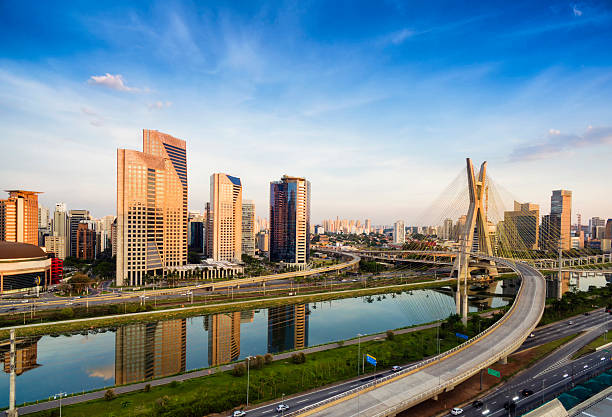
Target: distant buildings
224 231
263 241
248 227
290 221
399 232
151 208
347 226
19 217
86 241
74 218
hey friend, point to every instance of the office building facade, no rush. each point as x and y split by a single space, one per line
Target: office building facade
151 208
522 226
74 218
248 227
290 221
224 236
399 232
19 217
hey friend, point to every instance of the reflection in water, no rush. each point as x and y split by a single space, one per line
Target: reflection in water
143 351
26 355
576 281
223 337
287 327
149 350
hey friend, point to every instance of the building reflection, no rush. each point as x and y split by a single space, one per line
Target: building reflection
287 327
150 350
26 355
223 337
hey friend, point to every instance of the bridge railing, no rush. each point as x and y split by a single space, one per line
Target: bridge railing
442 386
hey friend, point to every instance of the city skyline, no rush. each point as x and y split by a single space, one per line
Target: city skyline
535 90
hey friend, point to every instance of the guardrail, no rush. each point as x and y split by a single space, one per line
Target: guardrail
448 383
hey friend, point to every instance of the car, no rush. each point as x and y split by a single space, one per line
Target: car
457 411
585 366
477 404
281 407
565 375
239 413
532 335
570 322
603 359
586 313
526 392
396 368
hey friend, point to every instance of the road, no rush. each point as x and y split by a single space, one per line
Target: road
551 376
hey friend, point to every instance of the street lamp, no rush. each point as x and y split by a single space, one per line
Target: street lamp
358 351
248 359
60 395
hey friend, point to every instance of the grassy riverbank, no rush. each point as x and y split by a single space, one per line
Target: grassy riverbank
223 391
198 309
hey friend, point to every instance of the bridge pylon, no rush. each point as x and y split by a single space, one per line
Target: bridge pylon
474 238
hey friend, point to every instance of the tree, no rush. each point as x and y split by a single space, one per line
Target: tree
79 282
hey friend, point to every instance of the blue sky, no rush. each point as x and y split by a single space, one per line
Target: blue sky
377 103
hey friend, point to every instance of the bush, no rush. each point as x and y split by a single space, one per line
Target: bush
298 358
147 388
239 369
110 395
174 384
390 335
67 312
258 362
162 404
268 358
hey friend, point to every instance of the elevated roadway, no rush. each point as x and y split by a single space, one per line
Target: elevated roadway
394 393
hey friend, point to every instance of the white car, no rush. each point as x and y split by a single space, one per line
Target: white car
281 407
239 413
456 411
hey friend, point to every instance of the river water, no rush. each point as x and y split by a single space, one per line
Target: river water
51 364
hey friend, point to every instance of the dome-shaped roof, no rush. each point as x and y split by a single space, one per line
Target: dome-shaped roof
18 250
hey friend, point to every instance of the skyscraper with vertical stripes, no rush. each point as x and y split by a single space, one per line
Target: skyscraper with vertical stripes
151 208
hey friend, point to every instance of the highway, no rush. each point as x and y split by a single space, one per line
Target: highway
553 374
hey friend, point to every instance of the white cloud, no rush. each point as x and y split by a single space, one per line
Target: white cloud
158 105
114 82
556 143
576 11
400 36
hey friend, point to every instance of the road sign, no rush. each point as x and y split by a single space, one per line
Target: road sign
462 336
371 360
493 372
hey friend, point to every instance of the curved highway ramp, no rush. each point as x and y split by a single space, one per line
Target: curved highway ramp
395 393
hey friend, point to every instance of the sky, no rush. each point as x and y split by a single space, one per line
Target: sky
377 103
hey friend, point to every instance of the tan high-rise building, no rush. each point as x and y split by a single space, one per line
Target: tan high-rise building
19 217
56 245
561 207
248 227
225 233
522 226
151 208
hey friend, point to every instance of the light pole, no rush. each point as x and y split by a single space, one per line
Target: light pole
248 359
60 395
358 350
283 402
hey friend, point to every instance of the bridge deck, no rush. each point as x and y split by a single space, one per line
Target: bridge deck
408 390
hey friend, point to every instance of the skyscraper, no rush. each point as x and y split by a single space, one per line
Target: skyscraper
74 218
368 226
86 241
225 232
151 208
399 232
248 227
522 224
19 217
561 207
290 221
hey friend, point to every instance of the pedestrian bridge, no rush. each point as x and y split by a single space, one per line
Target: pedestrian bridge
390 395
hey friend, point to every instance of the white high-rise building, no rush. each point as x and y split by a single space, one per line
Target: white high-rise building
248 227
399 232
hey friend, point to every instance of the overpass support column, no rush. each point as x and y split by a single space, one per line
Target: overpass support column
12 412
504 360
